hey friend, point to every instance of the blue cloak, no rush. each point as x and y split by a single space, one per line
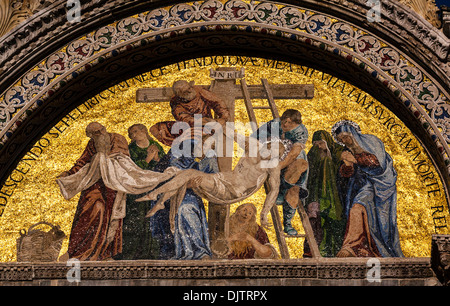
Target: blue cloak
375 189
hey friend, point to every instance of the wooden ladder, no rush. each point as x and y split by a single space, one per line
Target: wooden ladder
281 236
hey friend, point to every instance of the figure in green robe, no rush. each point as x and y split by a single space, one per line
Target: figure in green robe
323 203
138 242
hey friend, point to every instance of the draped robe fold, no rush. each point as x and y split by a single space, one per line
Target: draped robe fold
103 181
372 185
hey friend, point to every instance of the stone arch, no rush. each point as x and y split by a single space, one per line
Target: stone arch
402 62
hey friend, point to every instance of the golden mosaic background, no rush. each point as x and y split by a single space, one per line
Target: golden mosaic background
37 197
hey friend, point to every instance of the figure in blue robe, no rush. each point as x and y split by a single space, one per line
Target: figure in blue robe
190 239
371 195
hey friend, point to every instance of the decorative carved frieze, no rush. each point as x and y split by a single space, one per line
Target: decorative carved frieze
320 270
397 22
446 20
56 21
425 8
14 12
386 59
440 258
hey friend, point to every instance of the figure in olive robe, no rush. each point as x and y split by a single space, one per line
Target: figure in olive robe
138 241
323 204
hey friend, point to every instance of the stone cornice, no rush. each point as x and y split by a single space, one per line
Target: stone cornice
425 8
440 258
48 33
320 270
400 25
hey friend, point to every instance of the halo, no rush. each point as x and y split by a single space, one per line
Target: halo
285 142
338 124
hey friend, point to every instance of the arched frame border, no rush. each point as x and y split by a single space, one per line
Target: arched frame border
151 38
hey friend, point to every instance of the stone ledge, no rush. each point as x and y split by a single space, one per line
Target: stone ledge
295 272
440 257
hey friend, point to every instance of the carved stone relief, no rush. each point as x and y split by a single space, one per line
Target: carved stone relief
13 12
426 8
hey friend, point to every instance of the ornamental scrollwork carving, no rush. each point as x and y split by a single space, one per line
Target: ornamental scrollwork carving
289 17
425 8
13 12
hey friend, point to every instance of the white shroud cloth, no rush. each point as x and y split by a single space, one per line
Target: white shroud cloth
119 173
227 189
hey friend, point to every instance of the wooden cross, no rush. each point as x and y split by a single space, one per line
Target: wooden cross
224 86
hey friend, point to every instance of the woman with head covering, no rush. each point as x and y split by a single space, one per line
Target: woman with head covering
371 196
323 203
138 241
247 239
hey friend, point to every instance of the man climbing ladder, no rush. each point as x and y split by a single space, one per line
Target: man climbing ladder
295 165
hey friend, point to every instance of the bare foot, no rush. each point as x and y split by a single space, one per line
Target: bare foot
148 197
155 209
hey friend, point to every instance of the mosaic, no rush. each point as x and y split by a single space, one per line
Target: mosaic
415 204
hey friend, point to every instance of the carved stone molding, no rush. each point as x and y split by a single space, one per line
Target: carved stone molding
14 12
398 19
446 20
440 258
325 271
405 52
425 8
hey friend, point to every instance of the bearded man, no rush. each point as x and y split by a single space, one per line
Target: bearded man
95 235
189 100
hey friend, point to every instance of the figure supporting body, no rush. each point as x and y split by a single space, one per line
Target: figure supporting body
138 241
96 233
228 187
294 168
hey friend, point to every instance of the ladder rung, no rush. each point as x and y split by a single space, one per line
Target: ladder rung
261 107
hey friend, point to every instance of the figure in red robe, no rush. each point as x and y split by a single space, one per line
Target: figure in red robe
94 235
189 101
